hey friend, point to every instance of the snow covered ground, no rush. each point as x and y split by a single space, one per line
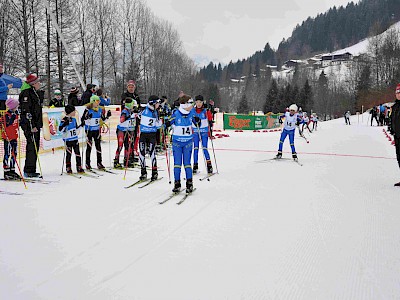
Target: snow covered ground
259 230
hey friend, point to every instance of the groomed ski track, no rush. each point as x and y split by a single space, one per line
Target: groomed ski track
327 230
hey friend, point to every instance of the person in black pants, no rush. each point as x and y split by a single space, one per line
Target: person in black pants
30 101
394 126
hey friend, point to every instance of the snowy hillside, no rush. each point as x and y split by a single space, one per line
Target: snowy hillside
261 229
338 71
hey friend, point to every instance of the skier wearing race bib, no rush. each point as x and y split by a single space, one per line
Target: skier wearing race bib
201 133
291 120
69 127
182 141
91 117
126 131
149 123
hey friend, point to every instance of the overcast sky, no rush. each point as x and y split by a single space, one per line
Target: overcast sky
224 30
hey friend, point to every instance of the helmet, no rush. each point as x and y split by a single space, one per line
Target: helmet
153 100
293 107
130 103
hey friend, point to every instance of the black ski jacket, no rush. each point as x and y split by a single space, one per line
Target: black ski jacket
394 120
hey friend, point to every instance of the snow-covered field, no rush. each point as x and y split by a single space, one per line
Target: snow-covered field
329 229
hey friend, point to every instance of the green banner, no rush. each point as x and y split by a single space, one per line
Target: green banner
247 122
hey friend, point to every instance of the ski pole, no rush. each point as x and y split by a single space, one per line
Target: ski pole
215 159
129 151
13 154
166 157
109 142
201 142
36 146
64 154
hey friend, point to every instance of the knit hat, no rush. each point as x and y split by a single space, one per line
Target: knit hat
185 99
398 88
94 98
32 79
12 103
153 99
131 82
57 92
293 107
74 90
90 86
69 109
199 97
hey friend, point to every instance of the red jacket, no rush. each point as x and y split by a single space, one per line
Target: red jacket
10 121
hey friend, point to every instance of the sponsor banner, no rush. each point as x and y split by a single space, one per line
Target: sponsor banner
248 122
52 137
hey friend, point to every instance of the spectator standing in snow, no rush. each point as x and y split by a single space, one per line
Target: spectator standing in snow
394 126
347 117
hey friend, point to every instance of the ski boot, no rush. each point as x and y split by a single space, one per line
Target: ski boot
209 167
131 163
80 170
100 166
189 186
8 175
279 155
294 156
143 175
117 165
68 168
88 166
195 168
32 175
15 175
177 186
397 184
154 175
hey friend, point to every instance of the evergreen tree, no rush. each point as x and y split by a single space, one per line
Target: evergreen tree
306 97
243 107
272 97
363 85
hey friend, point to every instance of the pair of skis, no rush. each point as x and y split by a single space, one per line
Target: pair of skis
146 181
174 194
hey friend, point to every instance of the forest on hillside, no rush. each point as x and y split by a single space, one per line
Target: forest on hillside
368 79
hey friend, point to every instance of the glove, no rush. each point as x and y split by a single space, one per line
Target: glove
17 112
108 114
280 121
391 130
167 123
196 121
65 121
298 123
29 116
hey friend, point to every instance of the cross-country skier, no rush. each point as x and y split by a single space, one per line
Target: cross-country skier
91 117
291 120
203 130
70 127
182 141
126 131
9 128
149 123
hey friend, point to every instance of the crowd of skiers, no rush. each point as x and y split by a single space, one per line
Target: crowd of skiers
381 115
145 127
